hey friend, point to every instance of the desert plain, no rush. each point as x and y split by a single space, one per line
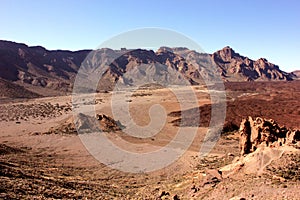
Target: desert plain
43 157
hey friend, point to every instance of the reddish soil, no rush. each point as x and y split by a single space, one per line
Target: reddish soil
56 165
271 100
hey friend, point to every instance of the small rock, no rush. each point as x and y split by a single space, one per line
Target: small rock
176 197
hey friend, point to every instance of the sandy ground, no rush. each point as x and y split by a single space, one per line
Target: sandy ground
59 166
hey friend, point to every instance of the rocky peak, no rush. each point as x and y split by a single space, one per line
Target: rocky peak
239 68
262 60
164 49
41 67
227 53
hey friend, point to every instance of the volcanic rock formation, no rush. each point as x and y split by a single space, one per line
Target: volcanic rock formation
102 122
259 131
239 68
42 68
108 124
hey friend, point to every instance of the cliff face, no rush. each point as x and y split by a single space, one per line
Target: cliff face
37 66
239 68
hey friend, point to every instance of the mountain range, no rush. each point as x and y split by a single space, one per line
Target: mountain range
52 72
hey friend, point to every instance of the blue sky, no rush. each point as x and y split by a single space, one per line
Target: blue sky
265 28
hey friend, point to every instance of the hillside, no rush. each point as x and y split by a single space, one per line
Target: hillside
12 90
37 67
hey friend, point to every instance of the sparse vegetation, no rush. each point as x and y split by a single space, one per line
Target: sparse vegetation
14 112
287 167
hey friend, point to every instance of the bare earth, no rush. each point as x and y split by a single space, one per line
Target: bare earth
42 157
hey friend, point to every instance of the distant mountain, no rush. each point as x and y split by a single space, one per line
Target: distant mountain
239 68
37 67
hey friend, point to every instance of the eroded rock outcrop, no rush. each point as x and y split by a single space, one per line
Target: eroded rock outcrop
102 122
108 124
259 131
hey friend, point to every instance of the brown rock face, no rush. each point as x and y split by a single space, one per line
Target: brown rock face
259 131
100 123
108 124
239 68
245 137
39 67
11 90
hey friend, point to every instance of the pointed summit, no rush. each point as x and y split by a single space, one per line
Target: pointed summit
56 69
228 51
226 54
227 48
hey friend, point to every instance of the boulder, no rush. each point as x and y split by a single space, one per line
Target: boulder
108 124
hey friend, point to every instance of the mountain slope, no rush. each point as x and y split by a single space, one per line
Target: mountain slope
37 66
56 70
239 68
12 90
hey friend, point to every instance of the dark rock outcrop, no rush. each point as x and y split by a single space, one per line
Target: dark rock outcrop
108 124
100 123
259 131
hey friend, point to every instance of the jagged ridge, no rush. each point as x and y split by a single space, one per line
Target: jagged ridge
57 69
